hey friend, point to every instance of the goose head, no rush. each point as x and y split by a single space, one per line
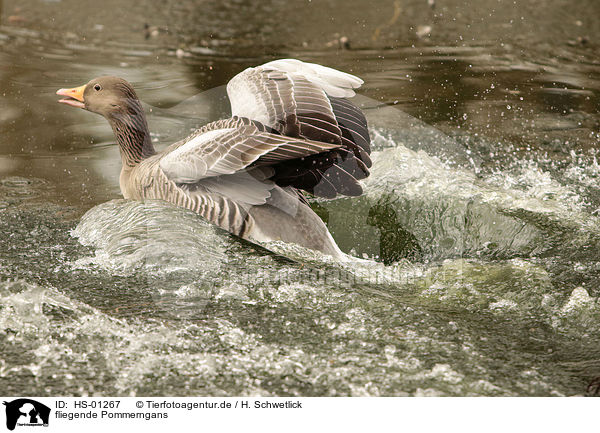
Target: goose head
115 99
108 96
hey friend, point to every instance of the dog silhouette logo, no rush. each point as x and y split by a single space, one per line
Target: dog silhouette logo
26 412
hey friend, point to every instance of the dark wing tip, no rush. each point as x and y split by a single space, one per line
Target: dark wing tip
355 131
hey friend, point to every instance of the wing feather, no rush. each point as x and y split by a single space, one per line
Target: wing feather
232 147
305 100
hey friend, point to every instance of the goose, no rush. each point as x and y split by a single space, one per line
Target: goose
292 131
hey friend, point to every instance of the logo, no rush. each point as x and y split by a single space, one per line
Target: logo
26 412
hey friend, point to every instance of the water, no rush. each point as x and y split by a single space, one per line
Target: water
477 236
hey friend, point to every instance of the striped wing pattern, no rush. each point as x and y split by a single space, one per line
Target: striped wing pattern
228 146
288 116
307 101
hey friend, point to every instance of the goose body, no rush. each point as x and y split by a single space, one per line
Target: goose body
292 130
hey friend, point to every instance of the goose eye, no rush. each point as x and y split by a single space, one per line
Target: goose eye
97 87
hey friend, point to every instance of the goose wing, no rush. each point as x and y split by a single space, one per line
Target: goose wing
306 100
229 146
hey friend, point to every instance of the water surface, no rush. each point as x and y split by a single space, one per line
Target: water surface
477 234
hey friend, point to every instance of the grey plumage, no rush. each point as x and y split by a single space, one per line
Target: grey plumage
291 129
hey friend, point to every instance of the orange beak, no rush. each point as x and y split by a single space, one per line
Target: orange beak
74 96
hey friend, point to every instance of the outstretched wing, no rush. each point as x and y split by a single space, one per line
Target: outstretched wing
229 146
305 100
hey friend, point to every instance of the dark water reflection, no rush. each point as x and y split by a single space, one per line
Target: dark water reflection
492 84
511 83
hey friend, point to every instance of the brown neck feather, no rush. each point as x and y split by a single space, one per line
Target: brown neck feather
131 130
